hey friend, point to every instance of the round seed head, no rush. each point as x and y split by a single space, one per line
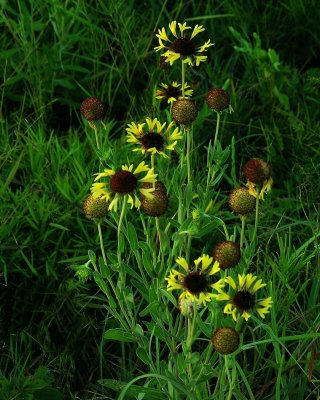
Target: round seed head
225 340
93 109
159 204
218 99
95 207
241 201
184 111
227 253
123 182
257 171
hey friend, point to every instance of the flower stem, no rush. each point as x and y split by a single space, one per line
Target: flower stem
96 135
191 325
124 202
101 244
188 154
243 222
217 130
256 221
183 75
152 166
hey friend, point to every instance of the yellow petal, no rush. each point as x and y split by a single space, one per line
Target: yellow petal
183 262
141 168
173 27
183 27
231 282
197 29
147 192
162 35
215 268
106 172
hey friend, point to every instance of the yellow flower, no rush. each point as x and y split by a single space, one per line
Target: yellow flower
243 301
124 182
173 92
182 47
153 137
196 284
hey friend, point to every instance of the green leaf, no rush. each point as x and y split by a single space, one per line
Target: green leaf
132 237
119 335
143 355
92 256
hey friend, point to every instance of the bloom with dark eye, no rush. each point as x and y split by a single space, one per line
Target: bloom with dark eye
182 46
153 137
243 301
196 284
127 181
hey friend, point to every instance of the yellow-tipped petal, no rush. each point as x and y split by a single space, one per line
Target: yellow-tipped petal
200 59
242 280
150 177
258 285
215 268
183 27
147 192
183 263
163 35
206 261
141 168
230 281
197 29
222 296
204 47
106 172
246 315
173 27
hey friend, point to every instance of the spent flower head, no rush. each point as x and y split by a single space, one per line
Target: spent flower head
225 340
153 137
95 207
227 253
241 201
258 174
158 205
184 111
218 99
196 283
182 46
173 92
127 181
243 300
93 109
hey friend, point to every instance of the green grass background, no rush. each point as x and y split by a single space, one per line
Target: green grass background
53 55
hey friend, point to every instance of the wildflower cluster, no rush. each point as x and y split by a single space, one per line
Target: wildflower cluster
219 276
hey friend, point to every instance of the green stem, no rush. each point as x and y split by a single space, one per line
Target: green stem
256 221
124 202
101 244
152 166
226 365
217 130
183 75
96 135
191 325
188 154
243 222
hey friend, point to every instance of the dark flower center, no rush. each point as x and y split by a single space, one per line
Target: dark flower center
183 46
243 300
172 91
123 182
195 283
152 139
